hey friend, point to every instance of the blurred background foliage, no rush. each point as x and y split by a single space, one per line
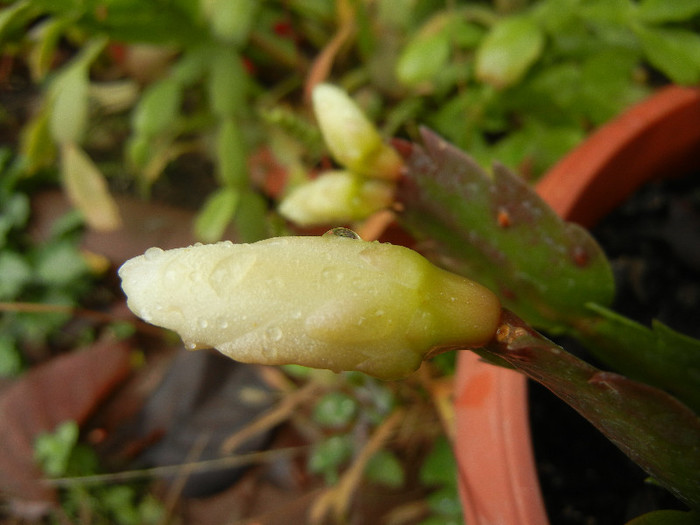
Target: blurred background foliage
130 90
205 104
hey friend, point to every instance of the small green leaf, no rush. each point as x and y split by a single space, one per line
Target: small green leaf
385 469
15 273
335 410
87 189
426 54
231 20
158 108
10 357
228 83
60 264
439 467
70 105
216 215
231 154
660 11
69 95
53 450
508 51
674 52
329 455
36 144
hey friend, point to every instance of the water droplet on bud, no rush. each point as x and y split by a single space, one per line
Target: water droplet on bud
346 233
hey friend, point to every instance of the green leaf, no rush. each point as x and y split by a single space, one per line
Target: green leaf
69 95
385 469
508 51
13 16
231 20
335 410
60 264
158 108
499 232
660 11
439 467
218 211
674 52
652 428
231 155
426 54
228 83
10 357
658 355
328 456
36 144
15 273
53 450
87 189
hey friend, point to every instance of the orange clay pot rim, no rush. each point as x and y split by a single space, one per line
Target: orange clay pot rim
496 466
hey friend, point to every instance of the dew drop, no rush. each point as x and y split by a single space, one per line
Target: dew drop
203 323
296 314
190 345
346 233
152 253
221 323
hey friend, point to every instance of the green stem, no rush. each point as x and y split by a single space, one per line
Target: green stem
654 429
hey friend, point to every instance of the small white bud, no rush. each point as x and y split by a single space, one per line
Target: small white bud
336 197
352 139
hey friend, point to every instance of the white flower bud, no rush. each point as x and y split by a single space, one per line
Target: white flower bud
352 139
336 197
325 302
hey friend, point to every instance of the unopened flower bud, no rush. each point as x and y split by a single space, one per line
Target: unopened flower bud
351 138
336 197
326 302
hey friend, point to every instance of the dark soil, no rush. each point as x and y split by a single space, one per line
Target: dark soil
653 242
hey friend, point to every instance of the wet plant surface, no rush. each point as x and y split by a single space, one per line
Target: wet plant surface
652 241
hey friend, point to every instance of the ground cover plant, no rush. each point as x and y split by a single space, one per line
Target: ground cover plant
214 111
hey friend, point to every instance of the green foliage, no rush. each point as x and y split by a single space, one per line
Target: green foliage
439 471
61 455
51 271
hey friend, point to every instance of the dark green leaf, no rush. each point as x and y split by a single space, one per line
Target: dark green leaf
674 52
328 456
658 355
499 232
15 273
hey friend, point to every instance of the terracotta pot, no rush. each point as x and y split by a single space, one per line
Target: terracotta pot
659 137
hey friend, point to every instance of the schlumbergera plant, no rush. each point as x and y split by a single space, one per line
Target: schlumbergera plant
342 303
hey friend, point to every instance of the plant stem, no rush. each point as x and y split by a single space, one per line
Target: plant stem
651 427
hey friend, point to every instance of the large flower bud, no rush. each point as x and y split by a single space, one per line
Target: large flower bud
326 302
